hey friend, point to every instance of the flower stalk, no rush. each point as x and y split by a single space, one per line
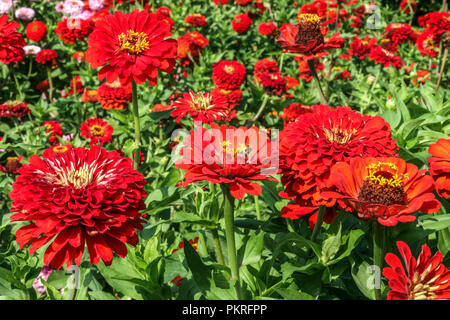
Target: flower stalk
379 235
215 235
312 69
50 84
137 126
441 71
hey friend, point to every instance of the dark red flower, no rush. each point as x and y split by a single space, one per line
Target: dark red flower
131 47
55 130
196 19
428 43
361 48
11 41
228 155
440 166
12 165
262 66
14 109
229 75
46 56
273 83
233 97
295 110
82 196
426 278
114 95
36 30
385 57
407 5
97 131
43 86
398 33
189 47
241 23
74 30
267 28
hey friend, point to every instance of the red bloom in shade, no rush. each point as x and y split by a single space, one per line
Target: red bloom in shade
388 190
440 166
262 66
295 110
46 56
273 83
114 95
361 48
131 47
233 97
229 75
267 28
398 33
197 20
385 57
203 106
428 43
75 198
222 2
190 45
426 278
241 23
36 30
303 68
234 156
97 130
55 130
43 86
11 41
436 22
312 144
407 5
12 165
307 37
14 109
74 30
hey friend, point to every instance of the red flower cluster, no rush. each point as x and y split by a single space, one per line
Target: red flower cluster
46 56
436 24
114 95
273 83
190 45
36 30
131 47
14 109
55 130
196 20
74 30
11 41
440 166
303 68
229 75
241 23
76 198
233 97
97 131
295 110
398 33
385 57
263 66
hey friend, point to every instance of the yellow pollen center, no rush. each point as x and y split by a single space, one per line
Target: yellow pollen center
385 174
200 102
308 19
233 150
97 130
134 42
339 136
60 149
228 69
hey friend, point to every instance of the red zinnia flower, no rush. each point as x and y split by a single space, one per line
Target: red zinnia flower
89 95
190 45
12 165
229 75
243 2
241 23
228 155
388 190
57 150
46 56
262 66
440 166
426 278
407 5
233 97
204 107
267 28
398 33
428 43
385 57
36 30
14 109
295 110
311 145
197 20
131 47
361 48
303 68
273 83
11 41
55 130
74 30
114 95
436 22
43 86
97 130
75 198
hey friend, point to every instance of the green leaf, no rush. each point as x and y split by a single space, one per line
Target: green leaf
200 271
253 249
331 245
101 295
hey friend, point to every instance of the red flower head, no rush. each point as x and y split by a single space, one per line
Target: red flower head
407 5
222 2
241 23
75 198
229 75
196 20
426 278
311 145
14 109
428 43
267 28
97 130
398 33
228 155
55 130
12 165
387 190
204 107
36 30
43 86
361 48
74 30
79 56
262 66
436 22
243 2
114 95
307 36
89 95
11 41
440 166
273 83
233 97
295 110
385 57
190 45
303 68
46 56
131 47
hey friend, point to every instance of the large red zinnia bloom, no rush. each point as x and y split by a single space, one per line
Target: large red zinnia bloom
440 166
229 75
131 47
97 131
388 190
36 30
228 155
312 144
75 198
11 41
203 106
426 278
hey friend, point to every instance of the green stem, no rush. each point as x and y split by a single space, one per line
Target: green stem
19 89
378 250
261 109
281 61
312 69
258 211
50 84
219 253
318 224
441 72
137 126
30 68
228 208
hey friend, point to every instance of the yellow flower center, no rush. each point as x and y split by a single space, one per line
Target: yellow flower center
200 102
338 135
134 42
60 149
97 130
308 19
228 69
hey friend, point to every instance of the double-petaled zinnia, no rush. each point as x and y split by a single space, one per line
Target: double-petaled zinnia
76 198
